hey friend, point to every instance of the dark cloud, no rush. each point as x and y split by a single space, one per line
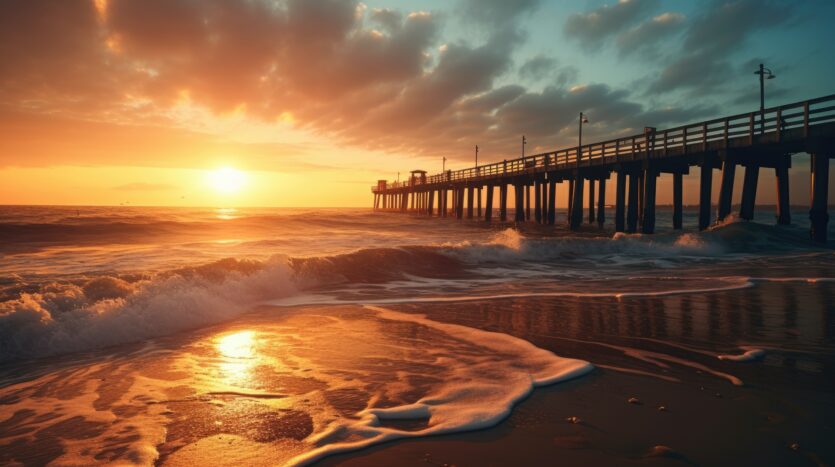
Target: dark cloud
537 68
646 35
594 27
703 62
374 79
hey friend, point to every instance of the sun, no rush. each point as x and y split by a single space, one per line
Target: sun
226 180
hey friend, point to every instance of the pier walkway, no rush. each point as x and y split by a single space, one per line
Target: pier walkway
753 140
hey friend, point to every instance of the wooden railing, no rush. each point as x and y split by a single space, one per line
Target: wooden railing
733 131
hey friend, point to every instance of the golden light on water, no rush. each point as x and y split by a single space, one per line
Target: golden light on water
240 356
237 345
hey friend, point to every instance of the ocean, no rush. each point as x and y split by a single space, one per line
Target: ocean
149 335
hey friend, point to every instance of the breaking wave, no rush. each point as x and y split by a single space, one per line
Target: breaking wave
46 316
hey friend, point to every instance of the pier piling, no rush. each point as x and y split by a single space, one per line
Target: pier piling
678 202
749 191
620 200
819 189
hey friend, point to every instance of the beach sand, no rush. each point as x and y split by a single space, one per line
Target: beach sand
659 393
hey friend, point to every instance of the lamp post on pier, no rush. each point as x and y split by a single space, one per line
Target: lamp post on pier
765 73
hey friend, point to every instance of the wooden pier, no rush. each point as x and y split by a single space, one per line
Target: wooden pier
756 140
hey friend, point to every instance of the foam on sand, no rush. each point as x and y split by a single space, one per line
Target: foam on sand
278 387
478 396
750 354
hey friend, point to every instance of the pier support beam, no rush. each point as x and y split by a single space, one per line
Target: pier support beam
819 192
488 211
519 214
641 197
620 200
705 186
430 201
537 201
781 173
442 211
749 191
470 207
591 201
632 206
726 189
552 201
570 200
527 201
577 204
678 200
601 204
648 222
479 202
459 202
503 202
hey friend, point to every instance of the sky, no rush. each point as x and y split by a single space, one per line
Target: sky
309 102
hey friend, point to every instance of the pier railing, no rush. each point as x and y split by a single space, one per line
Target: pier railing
745 129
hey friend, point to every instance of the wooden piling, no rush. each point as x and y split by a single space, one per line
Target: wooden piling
552 201
726 189
470 207
591 201
781 174
488 211
678 201
527 189
479 202
503 201
459 208
601 204
705 186
749 191
442 206
620 200
819 190
570 200
430 202
537 201
632 206
519 214
648 222
577 204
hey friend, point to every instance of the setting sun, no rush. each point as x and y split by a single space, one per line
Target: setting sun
226 180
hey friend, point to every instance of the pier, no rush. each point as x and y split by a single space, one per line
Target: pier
757 140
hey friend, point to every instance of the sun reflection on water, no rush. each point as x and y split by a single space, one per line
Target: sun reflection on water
240 356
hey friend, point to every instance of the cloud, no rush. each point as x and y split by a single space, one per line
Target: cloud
646 35
537 68
703 61
496 12
331 69
593 28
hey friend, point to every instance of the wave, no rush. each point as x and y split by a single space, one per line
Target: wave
46 316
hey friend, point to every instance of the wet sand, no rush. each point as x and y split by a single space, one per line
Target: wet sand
783 413
649 353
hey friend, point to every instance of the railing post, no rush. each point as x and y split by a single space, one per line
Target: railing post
751 128
666 143
805 119
684 140
778 124
727 127
704 137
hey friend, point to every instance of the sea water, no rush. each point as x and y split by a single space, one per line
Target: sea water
139 335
